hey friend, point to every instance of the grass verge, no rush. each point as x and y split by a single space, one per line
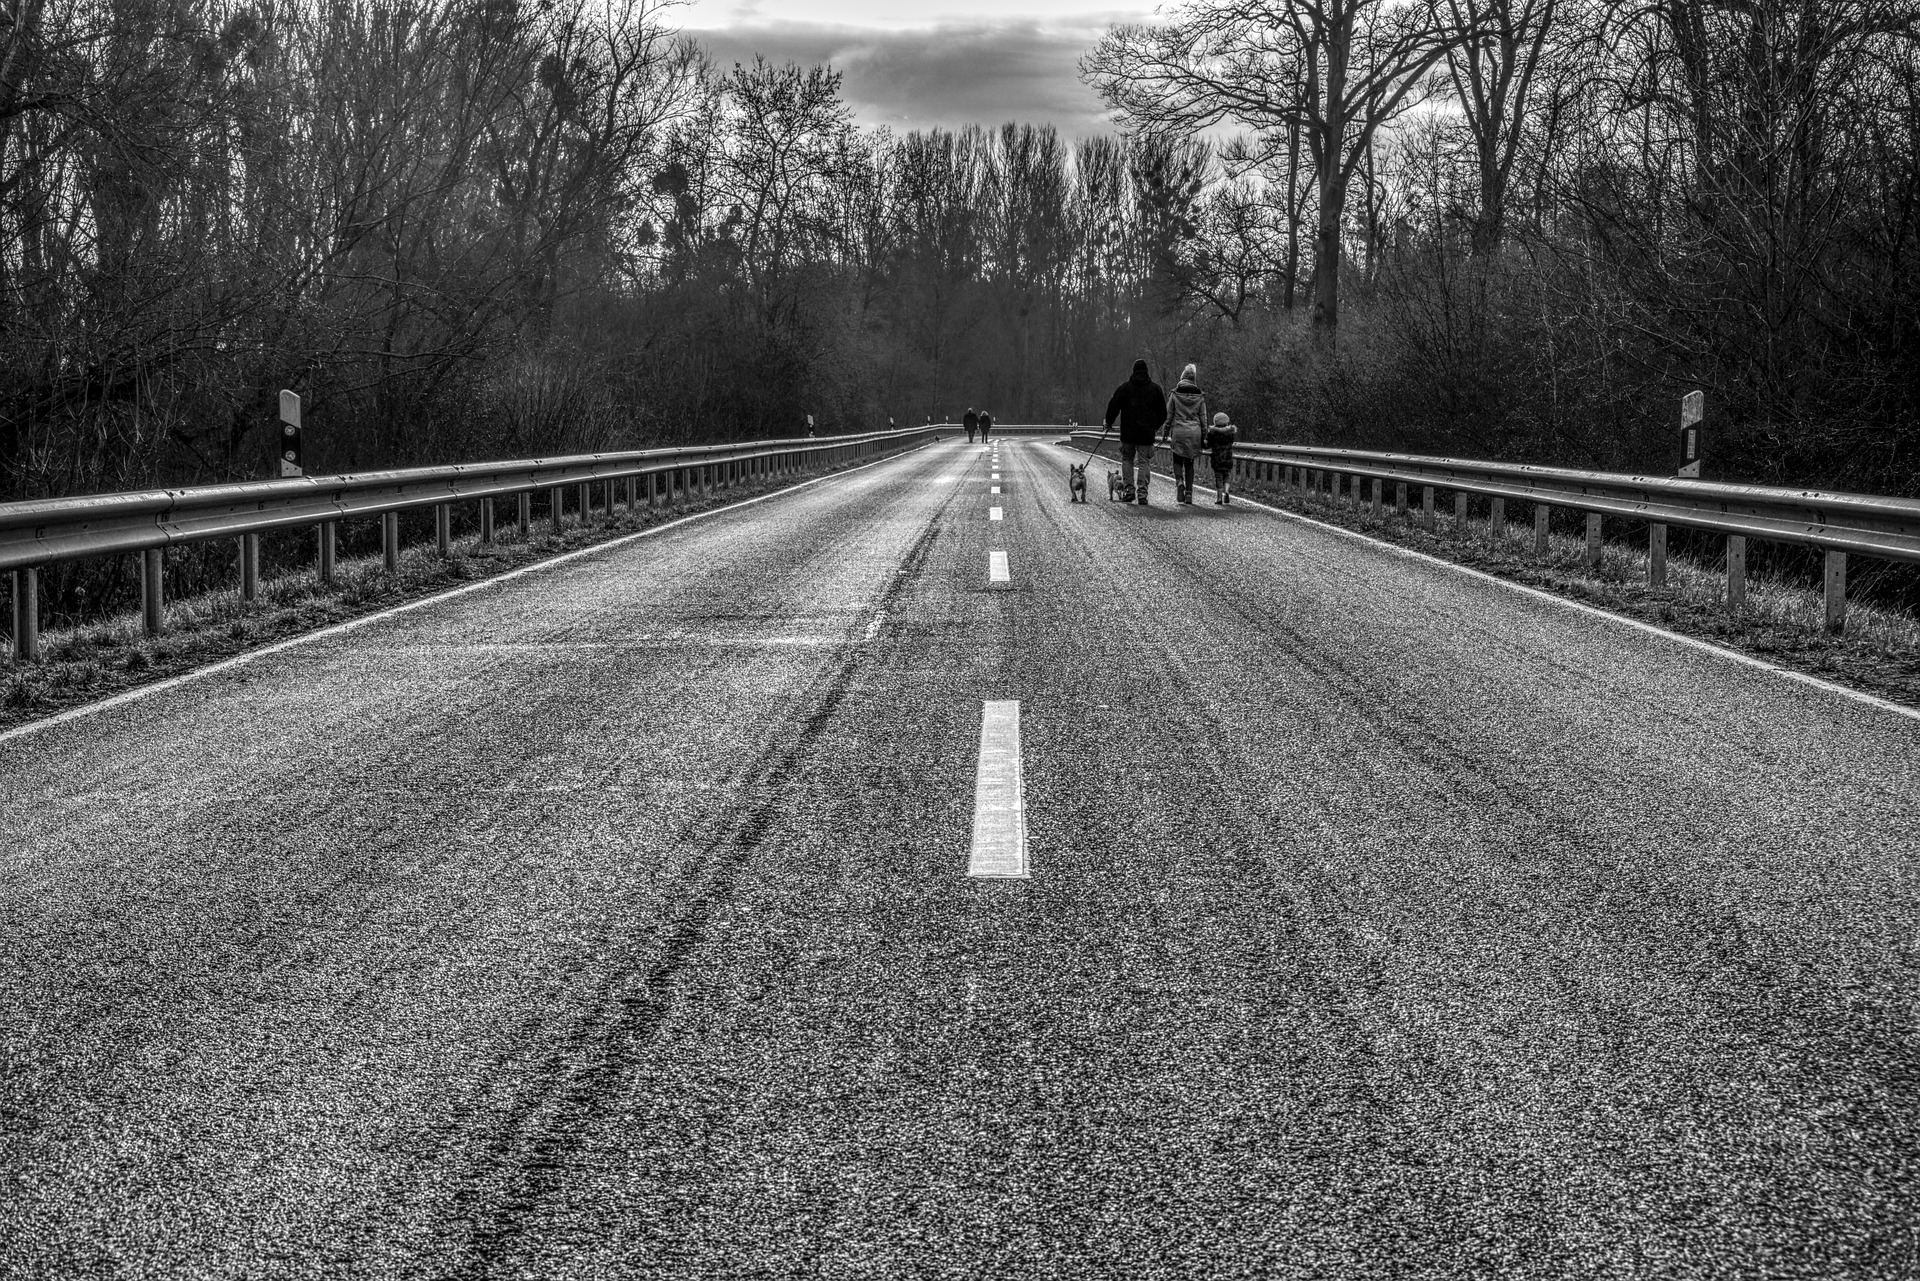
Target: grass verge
84 664
1783 622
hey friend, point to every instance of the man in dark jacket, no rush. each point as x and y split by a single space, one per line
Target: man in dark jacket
972 421
1140 407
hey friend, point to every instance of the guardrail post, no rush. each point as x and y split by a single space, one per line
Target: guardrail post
609 500
1656 554
328 533
586 502
249 567
1496 520
390 539
1400 498
443 528
523 513
1836 577
1378 501
1736 571
26 615
1593 540
1460 529
1542 515
486 519
1426 508
153 590
633 484
557 507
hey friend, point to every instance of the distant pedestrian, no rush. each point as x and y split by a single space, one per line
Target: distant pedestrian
986 424
973 424
1219 443
1186 431
1139 407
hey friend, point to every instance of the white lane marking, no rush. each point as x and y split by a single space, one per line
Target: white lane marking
1678 638
997 567
993 489
352 624
999 795
873 628
996 475
993 513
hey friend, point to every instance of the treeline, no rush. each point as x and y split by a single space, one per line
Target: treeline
466 228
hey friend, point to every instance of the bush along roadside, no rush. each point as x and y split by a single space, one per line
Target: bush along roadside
1783 622
89 662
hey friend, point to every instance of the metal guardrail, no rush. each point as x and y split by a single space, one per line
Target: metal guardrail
40 532
1838 524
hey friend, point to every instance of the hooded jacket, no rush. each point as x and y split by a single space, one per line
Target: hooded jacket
1139 406
1187 419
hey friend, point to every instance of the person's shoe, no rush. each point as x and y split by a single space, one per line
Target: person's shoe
1142 499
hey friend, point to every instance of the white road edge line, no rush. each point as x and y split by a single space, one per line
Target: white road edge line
1678 638
228 664
994 513
997 567
999 796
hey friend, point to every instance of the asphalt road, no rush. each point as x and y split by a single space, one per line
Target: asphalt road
613 921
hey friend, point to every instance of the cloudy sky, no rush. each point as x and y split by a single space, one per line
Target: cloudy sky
913 64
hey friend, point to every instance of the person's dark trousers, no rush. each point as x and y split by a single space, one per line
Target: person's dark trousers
1136 471
1183 479
1221 475
969 435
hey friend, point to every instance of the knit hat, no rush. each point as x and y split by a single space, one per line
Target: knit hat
1189 374
1221 420
1140 366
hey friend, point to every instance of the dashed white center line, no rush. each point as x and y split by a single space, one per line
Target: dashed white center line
997 567
993 513
993 489
999 795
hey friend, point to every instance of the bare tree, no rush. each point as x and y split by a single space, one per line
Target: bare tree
1339 70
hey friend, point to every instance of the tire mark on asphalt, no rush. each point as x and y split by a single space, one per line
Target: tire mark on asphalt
580 1080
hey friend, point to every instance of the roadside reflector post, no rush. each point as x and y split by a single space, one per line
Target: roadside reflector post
523 513
1656 555
153 590
1593 540
1426 508
249 567
1693 407
486 520
1736 571
1460 529
26 615
328 539
557 507
1836 577
1542 515
390 539
290 454
1496 520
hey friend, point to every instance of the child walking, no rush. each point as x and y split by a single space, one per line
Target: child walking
1219 445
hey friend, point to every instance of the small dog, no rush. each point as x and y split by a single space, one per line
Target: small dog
1076 482
1115 485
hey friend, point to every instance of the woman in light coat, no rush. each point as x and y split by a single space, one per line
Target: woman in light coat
1186 431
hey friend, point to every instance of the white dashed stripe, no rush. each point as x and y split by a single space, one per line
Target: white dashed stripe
997 567
999 796
993 489
993 513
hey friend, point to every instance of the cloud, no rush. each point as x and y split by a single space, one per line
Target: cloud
982 73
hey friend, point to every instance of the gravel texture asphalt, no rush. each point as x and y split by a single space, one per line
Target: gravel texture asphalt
612 921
